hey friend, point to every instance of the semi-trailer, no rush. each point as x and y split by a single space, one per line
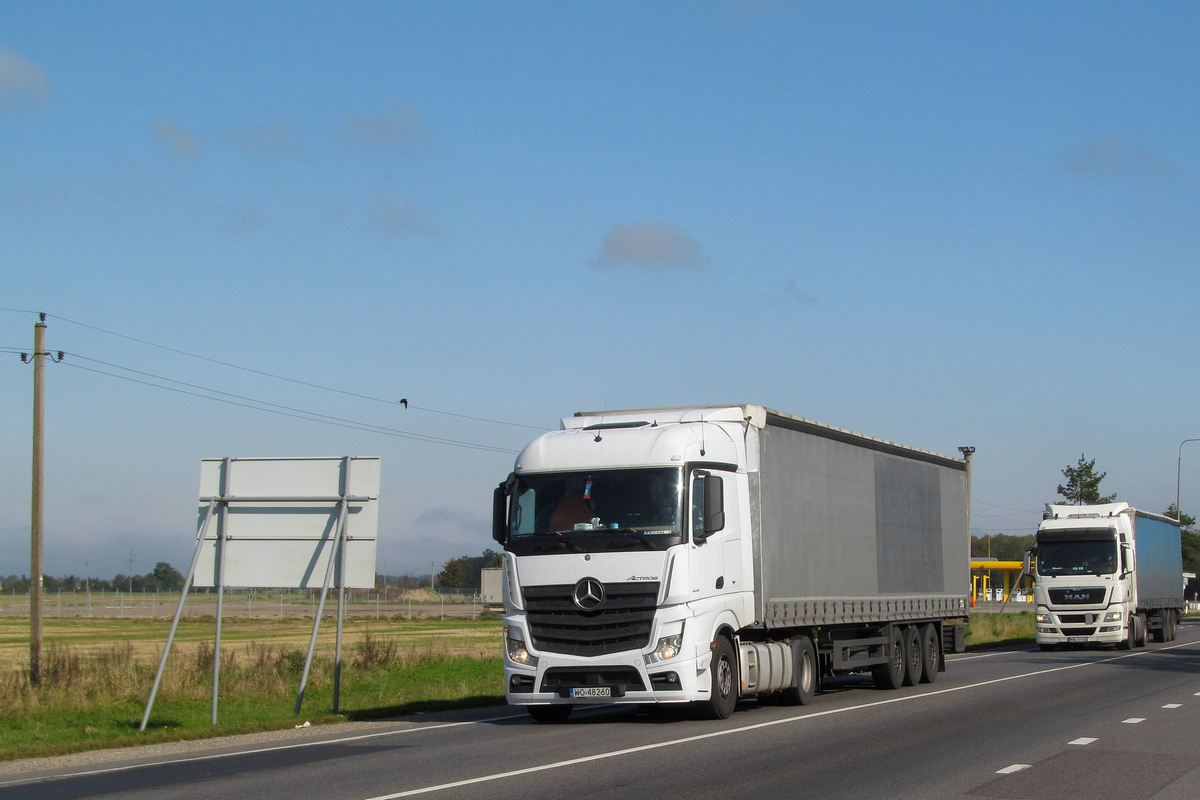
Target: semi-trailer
1106 574
706 554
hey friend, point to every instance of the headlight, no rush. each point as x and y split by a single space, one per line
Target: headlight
666 649
1043 618
514 644
1112 616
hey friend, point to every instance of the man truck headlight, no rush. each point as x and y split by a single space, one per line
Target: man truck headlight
514 643
1112 616
667 648
1043 618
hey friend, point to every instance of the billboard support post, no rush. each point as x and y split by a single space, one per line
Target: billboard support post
222 534
203 529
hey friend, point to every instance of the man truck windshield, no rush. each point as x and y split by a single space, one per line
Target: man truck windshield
1078 556
596 511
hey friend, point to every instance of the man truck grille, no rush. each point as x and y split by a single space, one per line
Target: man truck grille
621 622
1064 597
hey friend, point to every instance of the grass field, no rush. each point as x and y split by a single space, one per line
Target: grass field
98 673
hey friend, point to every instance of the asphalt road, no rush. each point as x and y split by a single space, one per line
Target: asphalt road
1017 723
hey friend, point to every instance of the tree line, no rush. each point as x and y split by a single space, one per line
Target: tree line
163 577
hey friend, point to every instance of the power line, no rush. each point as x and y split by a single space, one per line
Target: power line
298 413
290 380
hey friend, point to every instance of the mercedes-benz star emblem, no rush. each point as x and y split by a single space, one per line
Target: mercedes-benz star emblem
588 594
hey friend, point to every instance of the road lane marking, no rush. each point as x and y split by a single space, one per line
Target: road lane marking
956 659
1011 768
257 751
1082 740
1133 720
756 726
1173 705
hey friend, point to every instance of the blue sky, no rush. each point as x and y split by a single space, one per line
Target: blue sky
939 223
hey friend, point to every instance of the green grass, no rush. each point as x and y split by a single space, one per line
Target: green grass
995 630
93 696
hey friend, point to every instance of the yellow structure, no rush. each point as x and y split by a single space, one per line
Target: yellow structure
981 580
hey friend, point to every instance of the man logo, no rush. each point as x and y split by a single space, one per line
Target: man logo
588 594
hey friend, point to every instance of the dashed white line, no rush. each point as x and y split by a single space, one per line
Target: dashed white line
746 728
1011 768
1173 705
1133 720
1082 740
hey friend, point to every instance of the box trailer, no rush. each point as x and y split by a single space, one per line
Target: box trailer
702 554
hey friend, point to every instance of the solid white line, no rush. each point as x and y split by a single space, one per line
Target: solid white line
1133 720
1013 768
256 751
1083 740
956 659
757 726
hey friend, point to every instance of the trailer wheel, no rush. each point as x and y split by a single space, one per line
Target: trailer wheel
1171 620
914 657
723 670
891 674
1160 633
931 652
550 713
806 675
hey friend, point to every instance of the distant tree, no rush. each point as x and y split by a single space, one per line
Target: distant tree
168 578
1187 522
453 574
1083 484
1003 546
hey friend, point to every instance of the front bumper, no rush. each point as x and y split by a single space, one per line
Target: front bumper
1079 627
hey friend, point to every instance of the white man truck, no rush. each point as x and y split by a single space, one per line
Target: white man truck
1106 574
702 554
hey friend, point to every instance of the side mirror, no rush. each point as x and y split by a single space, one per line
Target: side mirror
500 513
1025 568
714 504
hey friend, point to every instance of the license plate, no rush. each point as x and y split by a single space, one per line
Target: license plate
1077 639
591 691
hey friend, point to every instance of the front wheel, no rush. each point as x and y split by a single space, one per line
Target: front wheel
724 692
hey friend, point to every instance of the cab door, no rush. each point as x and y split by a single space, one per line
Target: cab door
715 543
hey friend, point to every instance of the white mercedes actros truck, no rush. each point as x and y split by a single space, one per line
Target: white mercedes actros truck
702 554
1106 574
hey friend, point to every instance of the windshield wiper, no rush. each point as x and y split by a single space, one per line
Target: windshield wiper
634 534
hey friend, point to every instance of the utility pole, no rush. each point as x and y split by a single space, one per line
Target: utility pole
35 515
967 452
131 574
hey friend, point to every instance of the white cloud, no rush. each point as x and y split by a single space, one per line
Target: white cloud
21 79
264 140
183 145
407 217
789 292
1113 154
652 244
399 128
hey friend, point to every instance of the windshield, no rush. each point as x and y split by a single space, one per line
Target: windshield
596 511
1077 557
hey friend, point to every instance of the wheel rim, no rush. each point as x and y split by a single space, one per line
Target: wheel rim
806 672
724 677
898 658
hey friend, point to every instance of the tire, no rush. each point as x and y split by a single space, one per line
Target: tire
931 652
1160 635
724 675
1142 627
806 675
550 714
914 658
891 674
1173 623
1131 634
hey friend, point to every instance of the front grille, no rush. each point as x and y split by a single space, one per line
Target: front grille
1066 597
1078 631
622 621
1076 619
621 679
